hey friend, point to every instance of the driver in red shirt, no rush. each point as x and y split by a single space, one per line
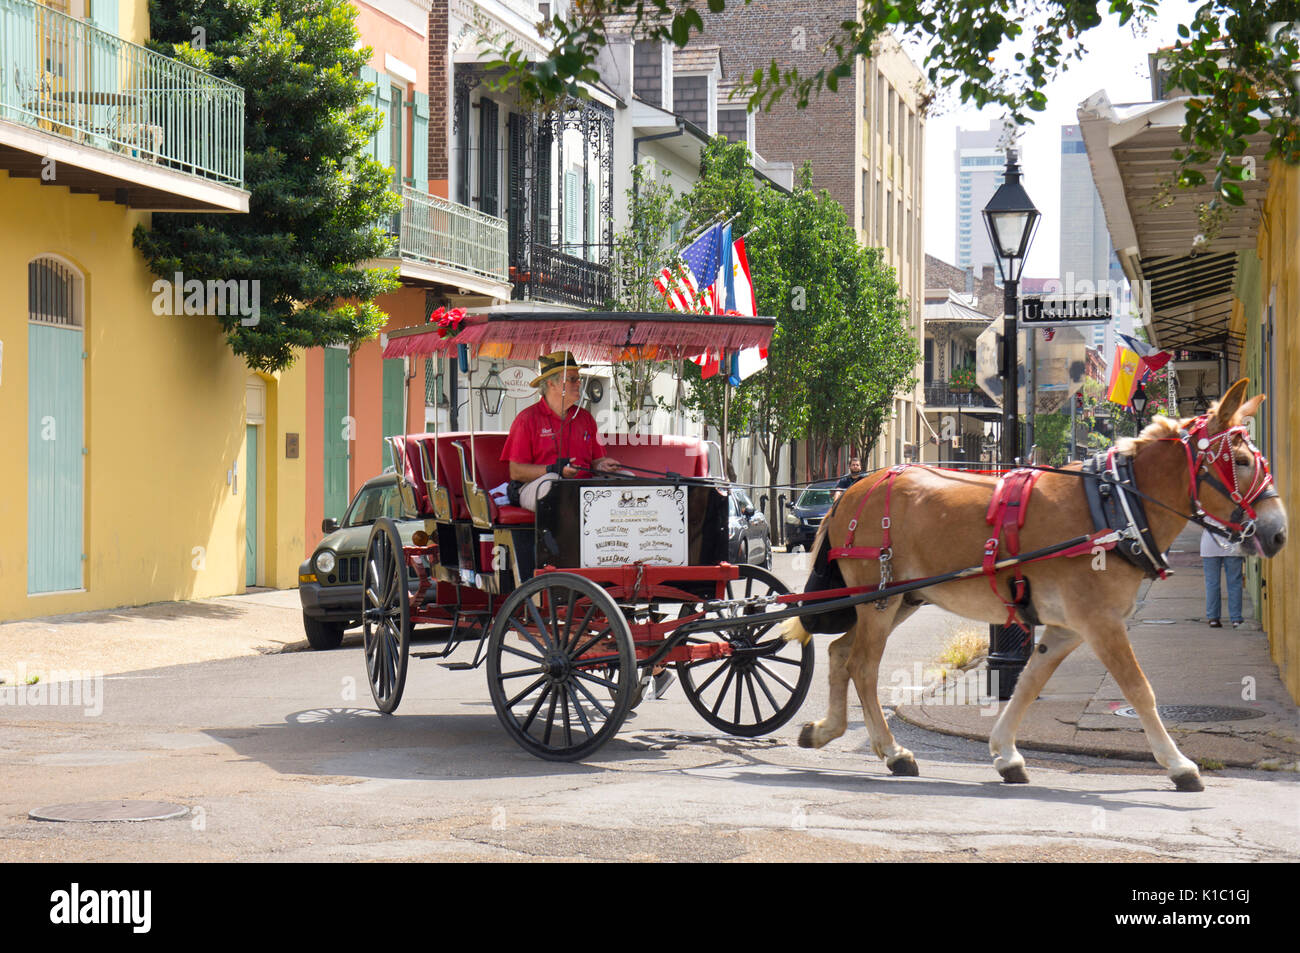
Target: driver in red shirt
554 437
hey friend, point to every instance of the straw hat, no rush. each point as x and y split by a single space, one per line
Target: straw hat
554 363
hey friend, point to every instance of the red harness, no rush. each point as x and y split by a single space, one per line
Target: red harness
1006 513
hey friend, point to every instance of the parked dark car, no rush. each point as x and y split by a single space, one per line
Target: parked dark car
804 517
750 539
329 583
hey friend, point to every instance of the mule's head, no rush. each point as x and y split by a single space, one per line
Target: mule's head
1232 483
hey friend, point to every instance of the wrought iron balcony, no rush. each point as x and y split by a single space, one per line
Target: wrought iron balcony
552 275
433 231
66 77
939 395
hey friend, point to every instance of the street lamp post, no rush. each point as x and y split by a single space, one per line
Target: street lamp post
1011 220
1139 404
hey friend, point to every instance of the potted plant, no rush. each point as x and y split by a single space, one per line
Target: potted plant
962 380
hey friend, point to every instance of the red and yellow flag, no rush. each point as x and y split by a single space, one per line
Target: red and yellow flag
1125 369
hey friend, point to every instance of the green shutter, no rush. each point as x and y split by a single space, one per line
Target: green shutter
383 141
103 13
336 447
250 505
572 211
54 457
368 75
420 143
392 418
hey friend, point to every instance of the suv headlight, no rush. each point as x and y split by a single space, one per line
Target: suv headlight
325 561
792 518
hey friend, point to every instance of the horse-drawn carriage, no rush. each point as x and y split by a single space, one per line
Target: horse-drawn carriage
613 577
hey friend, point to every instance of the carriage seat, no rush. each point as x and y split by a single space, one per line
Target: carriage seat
685 456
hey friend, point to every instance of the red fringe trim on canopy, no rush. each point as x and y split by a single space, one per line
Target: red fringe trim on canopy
591 339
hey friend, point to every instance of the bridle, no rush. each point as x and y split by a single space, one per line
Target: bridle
1211 459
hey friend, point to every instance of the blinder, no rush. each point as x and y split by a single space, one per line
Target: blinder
1210 459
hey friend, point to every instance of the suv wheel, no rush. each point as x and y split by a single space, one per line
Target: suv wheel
323 635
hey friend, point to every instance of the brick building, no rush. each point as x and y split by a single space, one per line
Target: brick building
864 141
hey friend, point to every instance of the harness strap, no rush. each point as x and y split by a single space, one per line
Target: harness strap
851 551
1006 514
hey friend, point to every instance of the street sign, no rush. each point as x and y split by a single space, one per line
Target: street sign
1065 309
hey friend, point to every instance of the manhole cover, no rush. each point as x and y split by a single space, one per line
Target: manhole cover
109 811
1196 713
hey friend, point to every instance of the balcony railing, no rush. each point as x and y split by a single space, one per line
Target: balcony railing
70 78
438 232
566 279
938 395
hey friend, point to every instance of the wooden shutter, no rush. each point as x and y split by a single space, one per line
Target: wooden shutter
462 145
383 141
572 211
420 142
489 194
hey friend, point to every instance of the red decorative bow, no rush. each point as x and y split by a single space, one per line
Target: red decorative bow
448 322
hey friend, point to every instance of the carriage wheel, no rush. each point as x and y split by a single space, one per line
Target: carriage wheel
386 613
559 645
760 686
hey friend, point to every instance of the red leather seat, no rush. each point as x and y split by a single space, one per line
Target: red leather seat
685 456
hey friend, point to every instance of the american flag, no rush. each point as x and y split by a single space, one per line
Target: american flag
691 283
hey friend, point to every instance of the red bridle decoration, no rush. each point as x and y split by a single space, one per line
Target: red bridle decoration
1215 453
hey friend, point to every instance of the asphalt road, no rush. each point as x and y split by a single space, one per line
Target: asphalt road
282 757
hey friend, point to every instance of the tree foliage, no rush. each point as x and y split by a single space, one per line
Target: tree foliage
317 202
1237 58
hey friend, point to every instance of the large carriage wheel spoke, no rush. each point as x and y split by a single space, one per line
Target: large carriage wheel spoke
525 693
550 720
592 698
722 693
532 713
775 677
521 673
568 727
578 652
542 628
763 685
522 654
574 634
595 679
518 627
724 667
753 697
582 715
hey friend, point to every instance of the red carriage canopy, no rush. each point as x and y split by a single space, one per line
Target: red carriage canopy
592 336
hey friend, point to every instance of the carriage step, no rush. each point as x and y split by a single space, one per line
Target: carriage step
457 666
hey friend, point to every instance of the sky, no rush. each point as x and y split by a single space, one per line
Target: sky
1116 62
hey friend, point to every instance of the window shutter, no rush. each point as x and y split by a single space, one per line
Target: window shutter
383 141
572 211
592 219
420 142
103 13
461 108
488 186
368 75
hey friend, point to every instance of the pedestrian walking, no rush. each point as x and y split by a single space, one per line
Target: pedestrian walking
1221 558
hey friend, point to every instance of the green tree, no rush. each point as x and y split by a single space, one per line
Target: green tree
316 203
641 250
1237 58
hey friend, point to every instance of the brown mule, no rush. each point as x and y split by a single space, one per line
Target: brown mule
937 520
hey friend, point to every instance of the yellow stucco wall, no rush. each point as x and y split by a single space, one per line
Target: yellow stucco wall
164 423
1279 237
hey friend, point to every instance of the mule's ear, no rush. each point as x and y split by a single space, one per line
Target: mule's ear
1228 404
1249 407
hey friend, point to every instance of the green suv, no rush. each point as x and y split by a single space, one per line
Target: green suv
330 582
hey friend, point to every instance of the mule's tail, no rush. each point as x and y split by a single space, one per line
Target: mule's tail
793 630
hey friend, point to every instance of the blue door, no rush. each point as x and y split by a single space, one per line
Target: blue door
55 434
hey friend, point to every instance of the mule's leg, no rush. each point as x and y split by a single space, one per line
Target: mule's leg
1056 643
864 669
817 733
1109 639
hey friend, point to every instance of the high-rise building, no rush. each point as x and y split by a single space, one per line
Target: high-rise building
1088 263
980 160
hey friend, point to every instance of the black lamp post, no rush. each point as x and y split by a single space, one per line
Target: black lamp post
1011 220
1140 404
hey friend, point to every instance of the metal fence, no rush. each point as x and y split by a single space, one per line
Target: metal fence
69 78
568 279
450 235
939 395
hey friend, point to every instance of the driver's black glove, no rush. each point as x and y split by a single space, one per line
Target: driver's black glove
558 466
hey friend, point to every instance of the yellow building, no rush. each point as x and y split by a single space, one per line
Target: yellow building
1224 302
143 461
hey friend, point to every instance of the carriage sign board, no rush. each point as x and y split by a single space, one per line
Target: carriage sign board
1065 309
634 524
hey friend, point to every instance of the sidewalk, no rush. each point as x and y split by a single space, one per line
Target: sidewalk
1188 664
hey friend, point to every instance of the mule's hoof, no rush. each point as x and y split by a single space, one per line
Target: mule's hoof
1191 781
1014 774
904 768
806 736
